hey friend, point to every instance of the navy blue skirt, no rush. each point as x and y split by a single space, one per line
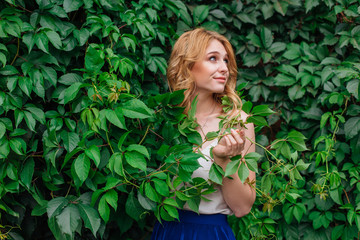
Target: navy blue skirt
194 227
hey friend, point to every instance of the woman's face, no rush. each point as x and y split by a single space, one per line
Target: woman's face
211 72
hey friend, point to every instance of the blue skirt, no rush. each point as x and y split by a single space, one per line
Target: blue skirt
194 227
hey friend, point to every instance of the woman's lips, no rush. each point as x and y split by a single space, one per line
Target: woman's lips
220 79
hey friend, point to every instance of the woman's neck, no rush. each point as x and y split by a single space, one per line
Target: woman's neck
205 104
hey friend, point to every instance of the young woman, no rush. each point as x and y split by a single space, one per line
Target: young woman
203 63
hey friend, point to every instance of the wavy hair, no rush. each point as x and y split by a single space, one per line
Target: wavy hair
190 48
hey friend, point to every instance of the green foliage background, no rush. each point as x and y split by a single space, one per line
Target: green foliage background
90 140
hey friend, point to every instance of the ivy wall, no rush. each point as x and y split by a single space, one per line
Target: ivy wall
93 146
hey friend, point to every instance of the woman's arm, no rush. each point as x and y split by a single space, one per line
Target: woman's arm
239 196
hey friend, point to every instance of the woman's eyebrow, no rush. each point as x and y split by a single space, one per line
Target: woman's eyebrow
215 52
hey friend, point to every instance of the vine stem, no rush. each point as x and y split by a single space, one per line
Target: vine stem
147 131
17 52
107 137
259 145
156 134
195 186
336 129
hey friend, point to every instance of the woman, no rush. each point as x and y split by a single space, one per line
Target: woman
203 62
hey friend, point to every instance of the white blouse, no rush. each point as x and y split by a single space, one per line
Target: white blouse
217 203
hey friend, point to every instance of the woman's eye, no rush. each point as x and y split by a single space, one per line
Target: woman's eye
212 58
226 61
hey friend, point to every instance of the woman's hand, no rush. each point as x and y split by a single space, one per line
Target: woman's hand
230 145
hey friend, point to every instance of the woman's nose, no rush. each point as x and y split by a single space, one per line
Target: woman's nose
223 66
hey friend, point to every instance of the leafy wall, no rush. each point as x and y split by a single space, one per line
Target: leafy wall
91 140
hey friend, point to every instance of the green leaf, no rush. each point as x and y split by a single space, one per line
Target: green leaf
251 59
284 80
116 164
72 5
182 196
3 59
260 121
146 203
194 204
215 174
262 110
296 139
133 207
151 193
55 206
4 149
8 70
2 129
104 209
25 85
200 13
70 78
83 36
136 109
30 121
72 91
58 11
211 26
337 232
82 167
218 13
136 160
116 118
122 139
139 148
49 74
266 37
352 127
281 7
251 160
243 172
171 202
310 4
69 220
111 198
129 40
247 18
90 217
330 61
37 113
70 140
54 38
296 92
353 87
93 153
299 211
254 39
18 145
27 172
172 211
232 167
293 52
94 58
300 165
189 162
42 41
277 47
161 187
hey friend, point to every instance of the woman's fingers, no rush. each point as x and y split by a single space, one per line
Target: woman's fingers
237 142
238 136
232 144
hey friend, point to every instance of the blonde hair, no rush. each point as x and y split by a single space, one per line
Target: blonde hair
190 48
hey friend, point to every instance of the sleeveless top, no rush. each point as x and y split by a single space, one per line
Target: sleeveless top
217 202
